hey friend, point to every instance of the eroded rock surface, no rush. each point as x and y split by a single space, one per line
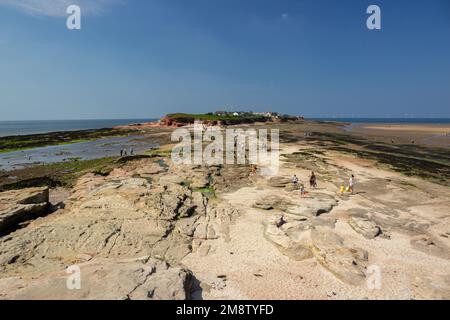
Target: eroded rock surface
20 205
299 206
305 239
119 218
312 207
365 227
269 203
306 231
346 263
140 279
432 245
431 287
279 182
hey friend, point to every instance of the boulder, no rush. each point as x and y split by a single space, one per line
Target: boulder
268 203
21 205
279 182
286 237
307 207
199 181
367 228
313 206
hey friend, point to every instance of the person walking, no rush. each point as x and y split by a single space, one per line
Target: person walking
352 183
295 181
313 180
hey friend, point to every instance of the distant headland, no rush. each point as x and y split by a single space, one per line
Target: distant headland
226 118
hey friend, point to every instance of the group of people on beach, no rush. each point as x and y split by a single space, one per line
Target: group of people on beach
313 184
124 152
301 186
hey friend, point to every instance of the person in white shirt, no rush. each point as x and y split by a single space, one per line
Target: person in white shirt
295 181
352 184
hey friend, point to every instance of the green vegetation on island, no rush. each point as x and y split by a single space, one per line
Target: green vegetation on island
226 118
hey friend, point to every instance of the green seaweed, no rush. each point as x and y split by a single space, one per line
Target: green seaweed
59 174
26 142
209 191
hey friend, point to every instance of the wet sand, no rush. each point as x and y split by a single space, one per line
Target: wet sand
101 148
437 135
425 128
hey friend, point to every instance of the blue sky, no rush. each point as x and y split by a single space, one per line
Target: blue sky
142 59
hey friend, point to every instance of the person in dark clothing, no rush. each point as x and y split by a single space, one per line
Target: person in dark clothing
313 180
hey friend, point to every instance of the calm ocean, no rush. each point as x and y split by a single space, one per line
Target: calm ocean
10 128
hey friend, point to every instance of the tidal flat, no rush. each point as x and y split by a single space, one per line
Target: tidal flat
30 141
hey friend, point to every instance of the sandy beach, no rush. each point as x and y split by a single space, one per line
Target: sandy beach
414 128
423 134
